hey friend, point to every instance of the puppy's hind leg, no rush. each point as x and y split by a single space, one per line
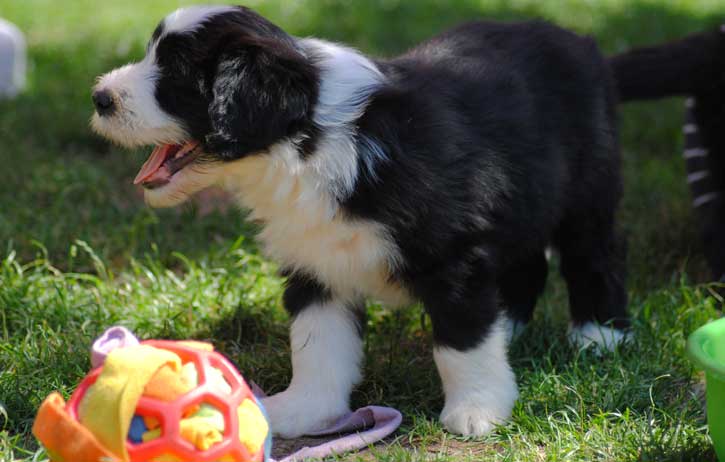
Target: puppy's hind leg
470 352
593 264
326 344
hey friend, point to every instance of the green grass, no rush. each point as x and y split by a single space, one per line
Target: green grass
79 251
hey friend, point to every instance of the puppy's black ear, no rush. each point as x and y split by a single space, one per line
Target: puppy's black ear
263 91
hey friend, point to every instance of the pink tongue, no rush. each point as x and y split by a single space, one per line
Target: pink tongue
153 164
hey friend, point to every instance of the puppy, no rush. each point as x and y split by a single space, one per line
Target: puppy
439 176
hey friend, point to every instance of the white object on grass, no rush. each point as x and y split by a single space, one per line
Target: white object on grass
602 337
13 60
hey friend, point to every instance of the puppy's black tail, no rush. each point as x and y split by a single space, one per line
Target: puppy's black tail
693 67
690 66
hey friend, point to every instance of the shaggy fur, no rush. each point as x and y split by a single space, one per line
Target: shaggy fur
439 176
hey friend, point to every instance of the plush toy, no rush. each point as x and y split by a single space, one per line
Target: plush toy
177 401
155 401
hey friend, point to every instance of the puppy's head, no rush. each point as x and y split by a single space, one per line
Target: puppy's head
216 84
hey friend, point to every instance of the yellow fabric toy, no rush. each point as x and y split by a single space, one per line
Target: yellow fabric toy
110 403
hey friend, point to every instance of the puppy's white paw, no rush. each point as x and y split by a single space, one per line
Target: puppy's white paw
470 417
293 413
603 337
479 385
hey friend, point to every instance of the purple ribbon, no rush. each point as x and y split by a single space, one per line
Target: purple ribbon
365 426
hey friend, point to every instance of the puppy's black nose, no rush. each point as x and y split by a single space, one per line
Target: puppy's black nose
103 101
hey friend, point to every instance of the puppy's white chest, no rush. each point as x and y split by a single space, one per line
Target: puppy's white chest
304 231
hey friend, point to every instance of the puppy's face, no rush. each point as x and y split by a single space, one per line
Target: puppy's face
217 84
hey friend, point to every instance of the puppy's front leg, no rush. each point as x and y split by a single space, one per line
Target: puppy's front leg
326 345
479 385
471 350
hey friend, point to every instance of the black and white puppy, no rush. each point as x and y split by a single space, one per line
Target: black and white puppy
439 176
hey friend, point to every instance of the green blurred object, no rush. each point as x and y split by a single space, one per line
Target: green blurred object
707 348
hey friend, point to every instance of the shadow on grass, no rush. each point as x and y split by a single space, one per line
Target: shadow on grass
399 369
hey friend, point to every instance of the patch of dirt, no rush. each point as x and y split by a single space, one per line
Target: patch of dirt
455 449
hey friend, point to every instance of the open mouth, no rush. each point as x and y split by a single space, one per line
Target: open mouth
165 161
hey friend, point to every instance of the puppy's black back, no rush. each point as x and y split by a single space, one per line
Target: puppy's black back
495 133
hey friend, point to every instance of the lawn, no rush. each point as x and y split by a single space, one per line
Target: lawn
79 251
